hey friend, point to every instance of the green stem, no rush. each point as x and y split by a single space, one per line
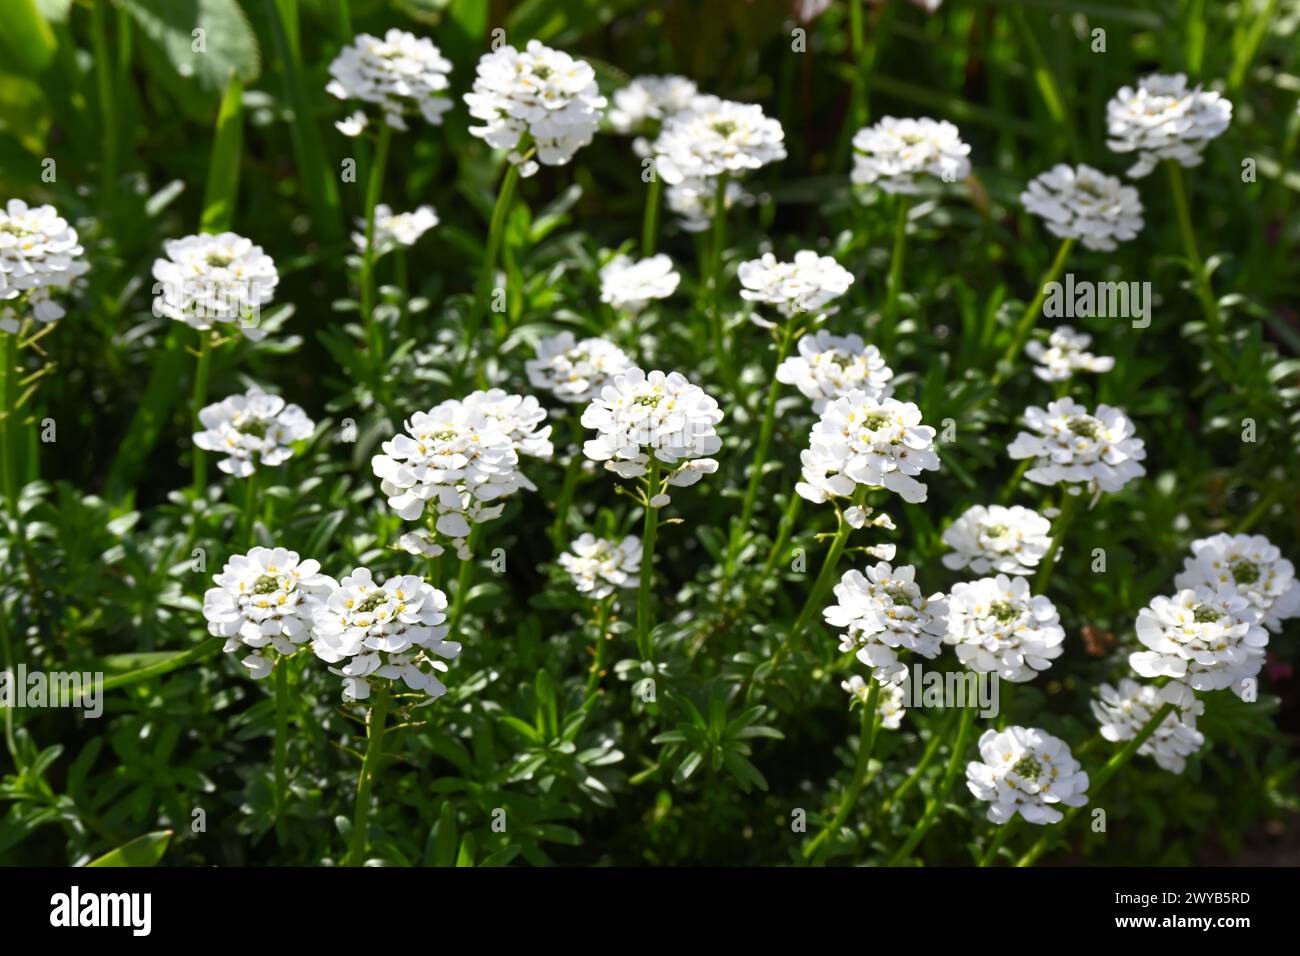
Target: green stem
995 844
374 187
200 397
369 767
281 730
713 286
463 577
644 594
250 509
1030 317
650 220
935 803
9 425
1069 505
783 533
1201 279
890 315
109 120
821 846
496 233
931 749
598 656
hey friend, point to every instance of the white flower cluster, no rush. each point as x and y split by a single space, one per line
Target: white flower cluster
1065 353
638 415
455 461
1079 202
1006 540
830 366
1164 119
647 101
805 286
1122 713
883 612
575 372
599 565
39 255
1071 447
540 93
629 285
401 75
889 700
861 440
895 154
390 631
997 627
1210 639
209 280
1249 565
264 600
1026 771
252 430
713 136
399 230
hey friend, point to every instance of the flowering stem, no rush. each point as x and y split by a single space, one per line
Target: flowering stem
643 594
9 374
714 285
1204 290
827 573
889 316
201 373
783 533
598 653
931 749
366 781
1102 777
281 729
250 508
572 472
935 803
1069 505
995 844
1030 316
821 846
374 185
650 222
462 581
496 232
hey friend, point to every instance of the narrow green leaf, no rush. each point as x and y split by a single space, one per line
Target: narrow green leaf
223 167
143 851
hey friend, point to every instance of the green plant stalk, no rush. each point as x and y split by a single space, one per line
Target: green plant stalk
935 803
375 728
1099 780
827 573
1204 290
1245 53
713 285
374 186
818 849
463 577
996 843
201 373
650 220
9 425
645 590
598 656
1013 483
496 234
7 662
783 533
108 121
927 757
281 730
1030 318
250 509
889 316
1069 505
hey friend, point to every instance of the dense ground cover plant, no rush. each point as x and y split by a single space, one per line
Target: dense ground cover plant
632 426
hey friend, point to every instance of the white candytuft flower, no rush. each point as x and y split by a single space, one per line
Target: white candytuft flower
264 601
210 280
39 255
389 631
647 101
884 612
1164 119
252 430
997 627
860 440
694 201
1026 771
1006 540
1123 712
575 372
629 285
401 75
538 92
889 701
1071 447
830 366
599 565
638 415
1085 204
1249 565
1066 353
715 136
1210 639
395 230
807 285
456 461
895 154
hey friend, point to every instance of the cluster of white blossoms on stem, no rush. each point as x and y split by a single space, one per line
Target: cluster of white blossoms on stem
883 612
829 366
889 700
252 430
600 565
995 538
539 93
575 372
40 254
1027 771
264 600
805 286
1164 119
642 105
456 462
895 154
1071 447
695 200
391 631
1122 713
1249 565
1210 639
629 284
862 440
1079 202
210 280
399 230
997 627
1065 353
639 415
401 75
714 136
